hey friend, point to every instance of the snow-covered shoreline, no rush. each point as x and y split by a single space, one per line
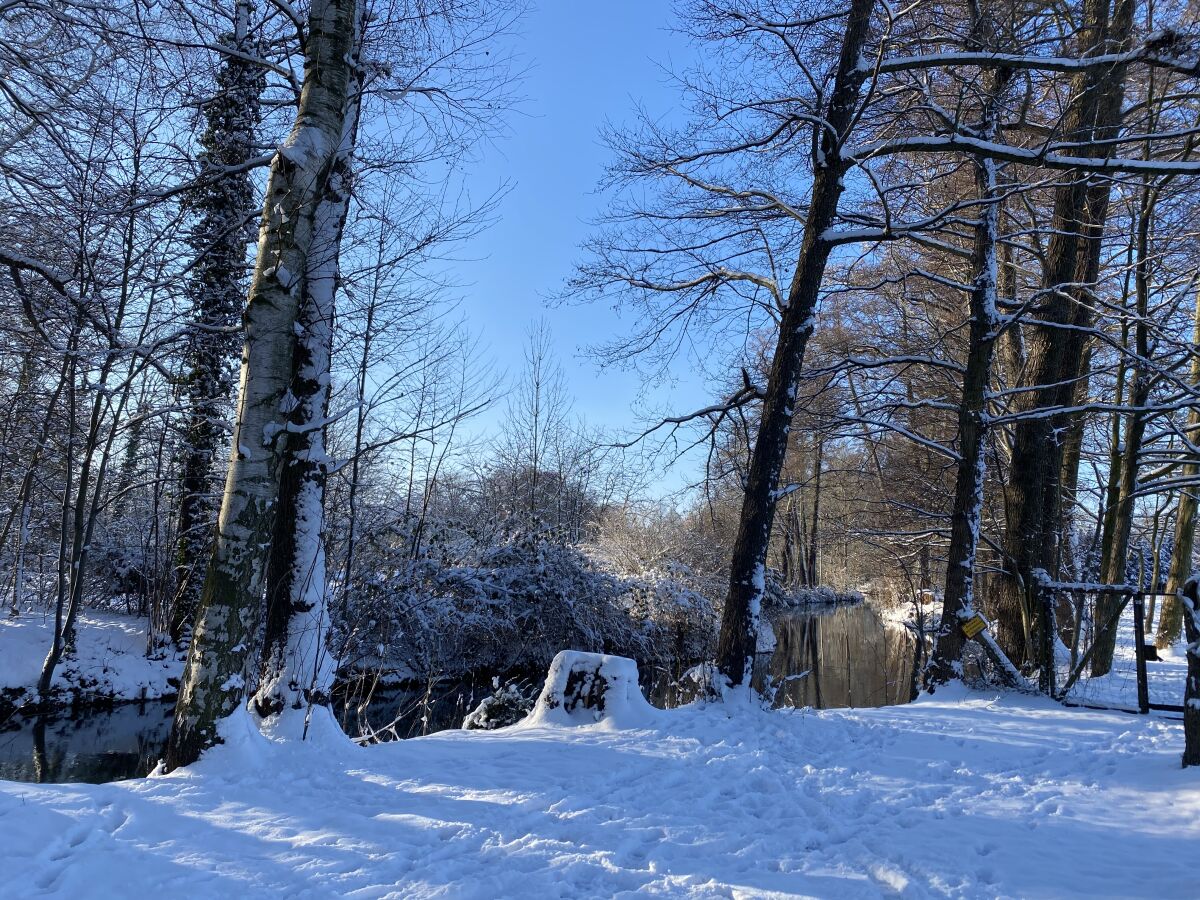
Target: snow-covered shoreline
109 664
958 795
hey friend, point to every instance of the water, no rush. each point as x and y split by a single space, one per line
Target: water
825 657
396 713
95 746
840 656
127 741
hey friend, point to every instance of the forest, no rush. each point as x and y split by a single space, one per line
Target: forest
316 580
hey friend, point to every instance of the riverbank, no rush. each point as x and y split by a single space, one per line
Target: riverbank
957 795
109 664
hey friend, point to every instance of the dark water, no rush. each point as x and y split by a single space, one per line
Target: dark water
396 713
840 656
127 741
94 746
824 657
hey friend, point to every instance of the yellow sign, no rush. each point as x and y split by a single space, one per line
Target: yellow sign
974 625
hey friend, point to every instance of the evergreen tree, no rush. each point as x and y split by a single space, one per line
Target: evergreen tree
224 204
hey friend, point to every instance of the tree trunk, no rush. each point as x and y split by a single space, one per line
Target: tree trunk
216 289
1189 603
1116 554
967 511
1072 455
814 533
20 513
1055 344
747 577
1170 620
297 668
214 679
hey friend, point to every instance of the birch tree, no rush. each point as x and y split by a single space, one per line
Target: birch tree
297 670
214 679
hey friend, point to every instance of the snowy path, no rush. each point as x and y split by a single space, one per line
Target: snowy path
949 797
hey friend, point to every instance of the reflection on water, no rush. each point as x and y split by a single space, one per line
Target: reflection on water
95 746
824 657
390 713
840 656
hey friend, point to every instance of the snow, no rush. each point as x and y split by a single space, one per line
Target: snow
575 678
109 662
957 795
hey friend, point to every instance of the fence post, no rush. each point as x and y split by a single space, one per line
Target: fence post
1046 675
1139 652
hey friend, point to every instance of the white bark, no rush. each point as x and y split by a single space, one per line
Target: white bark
297 666
214 679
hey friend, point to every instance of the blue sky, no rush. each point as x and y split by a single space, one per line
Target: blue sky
587 64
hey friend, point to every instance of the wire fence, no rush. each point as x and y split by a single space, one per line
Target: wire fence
1137 676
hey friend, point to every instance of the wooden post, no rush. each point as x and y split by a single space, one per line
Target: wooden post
1046 677
1139 646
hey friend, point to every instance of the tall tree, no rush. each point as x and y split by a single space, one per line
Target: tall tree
223 204
1055 342
747 575
1180 567
214 680
967 512
297 671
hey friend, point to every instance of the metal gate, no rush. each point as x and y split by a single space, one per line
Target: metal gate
1086 616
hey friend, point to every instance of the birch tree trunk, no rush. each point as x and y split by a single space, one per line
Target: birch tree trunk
747 577
297 668
214 680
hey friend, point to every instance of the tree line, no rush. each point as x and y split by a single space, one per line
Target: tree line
937 261
953 243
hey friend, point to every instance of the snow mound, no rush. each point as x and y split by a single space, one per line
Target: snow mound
590 688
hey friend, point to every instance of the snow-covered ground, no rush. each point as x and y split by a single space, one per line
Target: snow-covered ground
109 662
958 795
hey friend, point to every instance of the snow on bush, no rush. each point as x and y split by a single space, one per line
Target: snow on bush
446 598
779 596
507 705
511 600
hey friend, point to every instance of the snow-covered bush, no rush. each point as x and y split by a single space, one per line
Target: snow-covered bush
507 705
501 601
779 596
679 623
